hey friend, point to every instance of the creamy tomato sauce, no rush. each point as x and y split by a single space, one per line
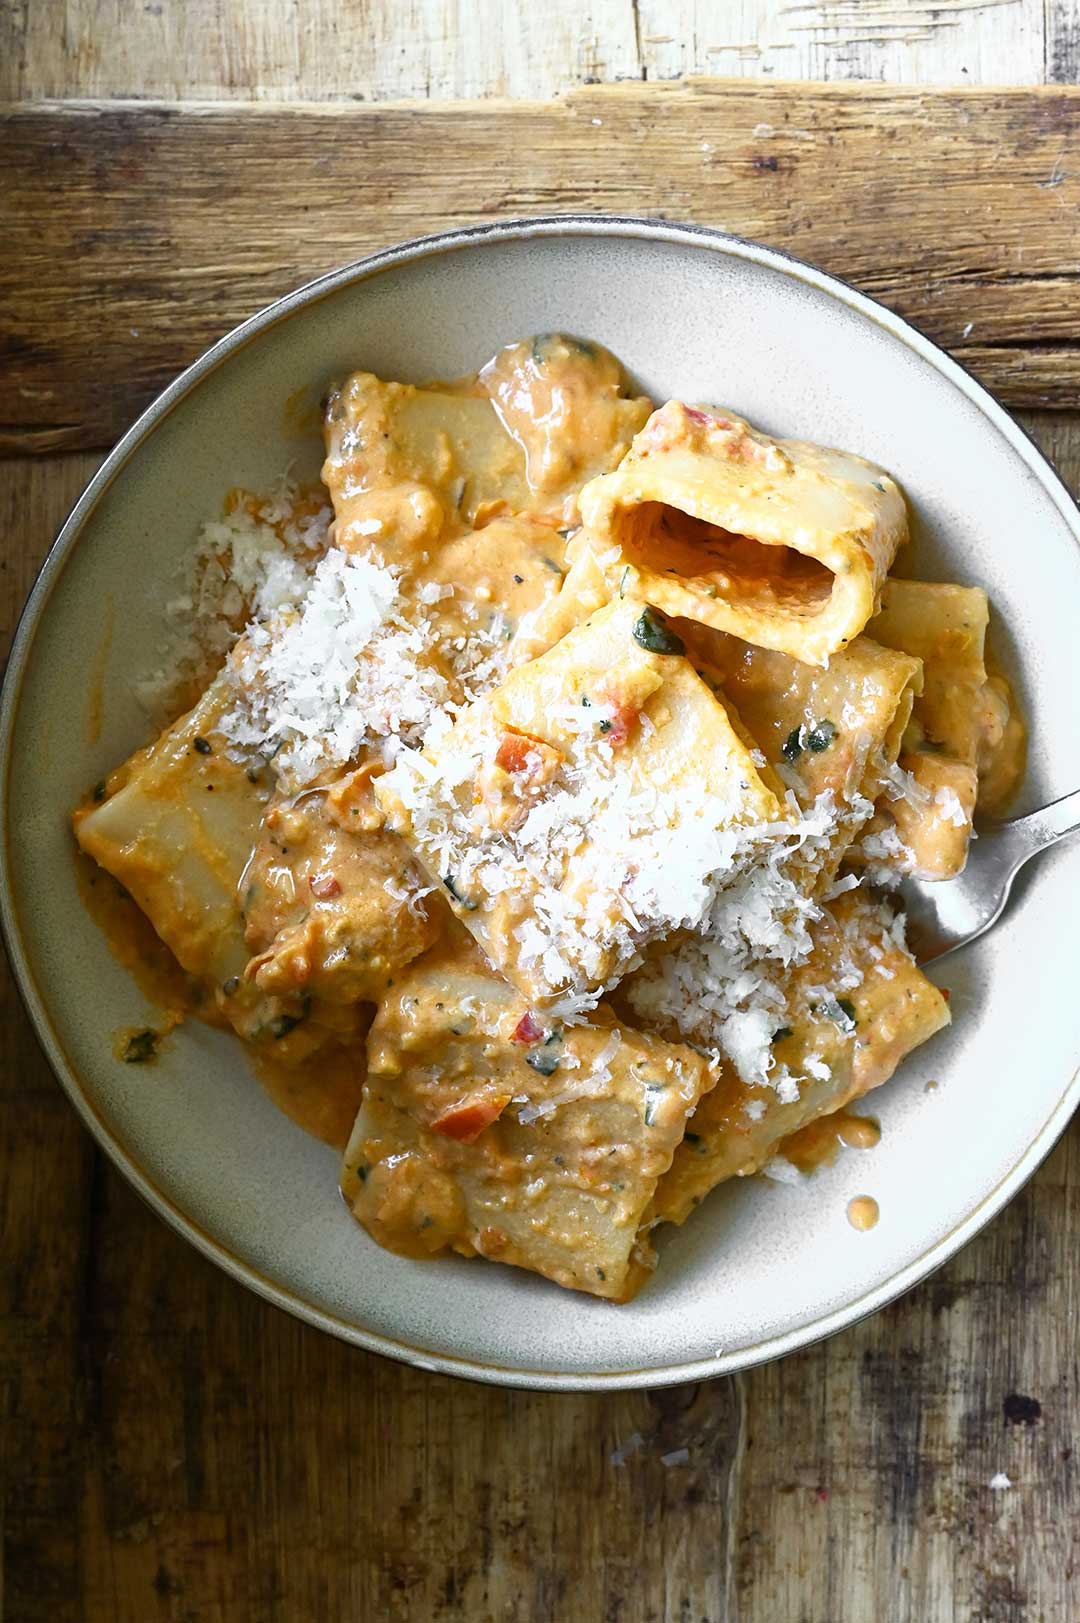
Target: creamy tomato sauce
820 1142
535 641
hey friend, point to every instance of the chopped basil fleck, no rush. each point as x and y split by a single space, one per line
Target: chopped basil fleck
605 726
282 1024
654 634
141 1047
820 736
231 986
847 1008
815 739
465 901
204 746
518 579
545 1064
99 791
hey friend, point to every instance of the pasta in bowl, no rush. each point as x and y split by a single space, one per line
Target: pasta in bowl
545 799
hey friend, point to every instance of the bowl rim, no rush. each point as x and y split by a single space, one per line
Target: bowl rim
310 293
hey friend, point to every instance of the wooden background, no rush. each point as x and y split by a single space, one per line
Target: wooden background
172 1448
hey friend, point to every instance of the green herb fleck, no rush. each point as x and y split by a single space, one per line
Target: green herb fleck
99 791
605 726
141 1047
815 739
653 633
600 1274
282 1024
361 1173
231 986
622 581
780 1033
877 484
204 746
518 580
847 1009
820 736
464 901
550 563
542 1062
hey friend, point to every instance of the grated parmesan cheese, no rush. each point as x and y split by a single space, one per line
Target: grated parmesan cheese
947 807
780 1170
251 563
340 671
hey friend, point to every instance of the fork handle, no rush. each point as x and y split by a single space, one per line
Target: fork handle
1046 826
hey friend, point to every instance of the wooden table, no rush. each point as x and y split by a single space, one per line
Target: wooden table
170 1446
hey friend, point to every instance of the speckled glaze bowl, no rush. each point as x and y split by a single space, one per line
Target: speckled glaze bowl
761 1269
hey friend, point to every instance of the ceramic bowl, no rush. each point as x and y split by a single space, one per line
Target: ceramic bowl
760 1269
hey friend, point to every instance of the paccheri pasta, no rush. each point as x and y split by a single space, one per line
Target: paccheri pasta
549 790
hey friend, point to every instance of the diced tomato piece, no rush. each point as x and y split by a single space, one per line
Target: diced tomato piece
526 1030
514 751
622 723
324 886
617 727
466 1120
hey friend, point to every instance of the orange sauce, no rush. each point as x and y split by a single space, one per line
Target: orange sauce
322 1096
132 940
863 1212
141 1045
820 1142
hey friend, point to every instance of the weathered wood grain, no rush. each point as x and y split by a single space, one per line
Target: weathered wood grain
173 1450
134 236
354 49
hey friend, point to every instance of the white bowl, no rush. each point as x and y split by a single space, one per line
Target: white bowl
760 1269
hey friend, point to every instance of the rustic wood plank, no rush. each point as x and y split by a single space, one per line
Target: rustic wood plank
106 296
173 1449
353 49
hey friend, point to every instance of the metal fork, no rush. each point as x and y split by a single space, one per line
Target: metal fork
945 914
